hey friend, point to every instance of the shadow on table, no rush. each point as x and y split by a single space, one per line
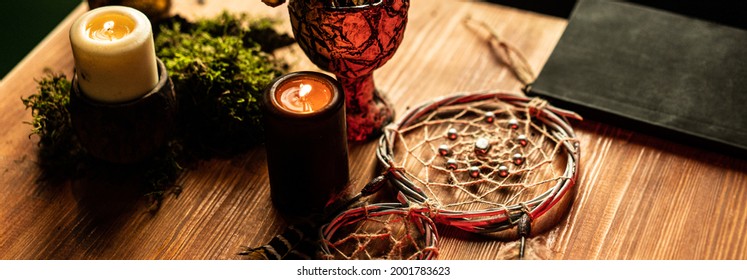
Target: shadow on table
101 188
105 191
88 206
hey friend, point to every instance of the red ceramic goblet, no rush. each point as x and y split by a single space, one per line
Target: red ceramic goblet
352 41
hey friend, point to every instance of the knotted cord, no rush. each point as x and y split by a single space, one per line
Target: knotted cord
506 53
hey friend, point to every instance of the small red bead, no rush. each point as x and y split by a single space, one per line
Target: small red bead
474 171
443 150
489 117
452 134
451 164
503 171
522 140
513 124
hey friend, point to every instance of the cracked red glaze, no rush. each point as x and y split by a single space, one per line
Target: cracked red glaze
352 42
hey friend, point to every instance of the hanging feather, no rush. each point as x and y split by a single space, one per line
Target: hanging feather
296 242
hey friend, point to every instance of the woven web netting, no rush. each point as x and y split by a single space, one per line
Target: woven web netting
479 162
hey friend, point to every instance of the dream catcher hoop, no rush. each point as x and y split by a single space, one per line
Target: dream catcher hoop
481 162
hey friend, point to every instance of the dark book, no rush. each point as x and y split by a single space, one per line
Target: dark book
642 68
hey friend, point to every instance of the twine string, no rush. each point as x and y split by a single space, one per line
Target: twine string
506 53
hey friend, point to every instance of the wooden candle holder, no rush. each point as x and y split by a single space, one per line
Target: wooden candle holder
126 132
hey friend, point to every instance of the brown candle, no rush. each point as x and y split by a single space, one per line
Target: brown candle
306 142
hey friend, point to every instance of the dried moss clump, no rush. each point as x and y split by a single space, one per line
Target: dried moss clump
220 67
51 120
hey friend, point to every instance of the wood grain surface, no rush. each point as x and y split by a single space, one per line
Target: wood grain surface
638 196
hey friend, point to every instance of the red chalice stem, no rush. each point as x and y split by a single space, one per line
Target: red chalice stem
366 111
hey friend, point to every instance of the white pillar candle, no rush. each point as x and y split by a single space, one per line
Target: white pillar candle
115 59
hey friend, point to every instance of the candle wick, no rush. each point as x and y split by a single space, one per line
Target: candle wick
109 29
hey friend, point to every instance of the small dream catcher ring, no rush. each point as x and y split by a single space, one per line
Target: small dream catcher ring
380 231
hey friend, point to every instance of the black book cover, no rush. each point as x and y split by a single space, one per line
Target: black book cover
647 69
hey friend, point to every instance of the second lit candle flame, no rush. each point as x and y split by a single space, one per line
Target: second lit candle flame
304 91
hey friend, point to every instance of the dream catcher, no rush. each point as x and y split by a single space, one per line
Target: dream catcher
484 163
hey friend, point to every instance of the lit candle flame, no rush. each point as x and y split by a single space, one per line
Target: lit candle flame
304 91
109 29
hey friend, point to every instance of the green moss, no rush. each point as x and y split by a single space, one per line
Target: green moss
219 68
51 121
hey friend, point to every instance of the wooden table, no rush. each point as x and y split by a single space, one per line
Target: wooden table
639 196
